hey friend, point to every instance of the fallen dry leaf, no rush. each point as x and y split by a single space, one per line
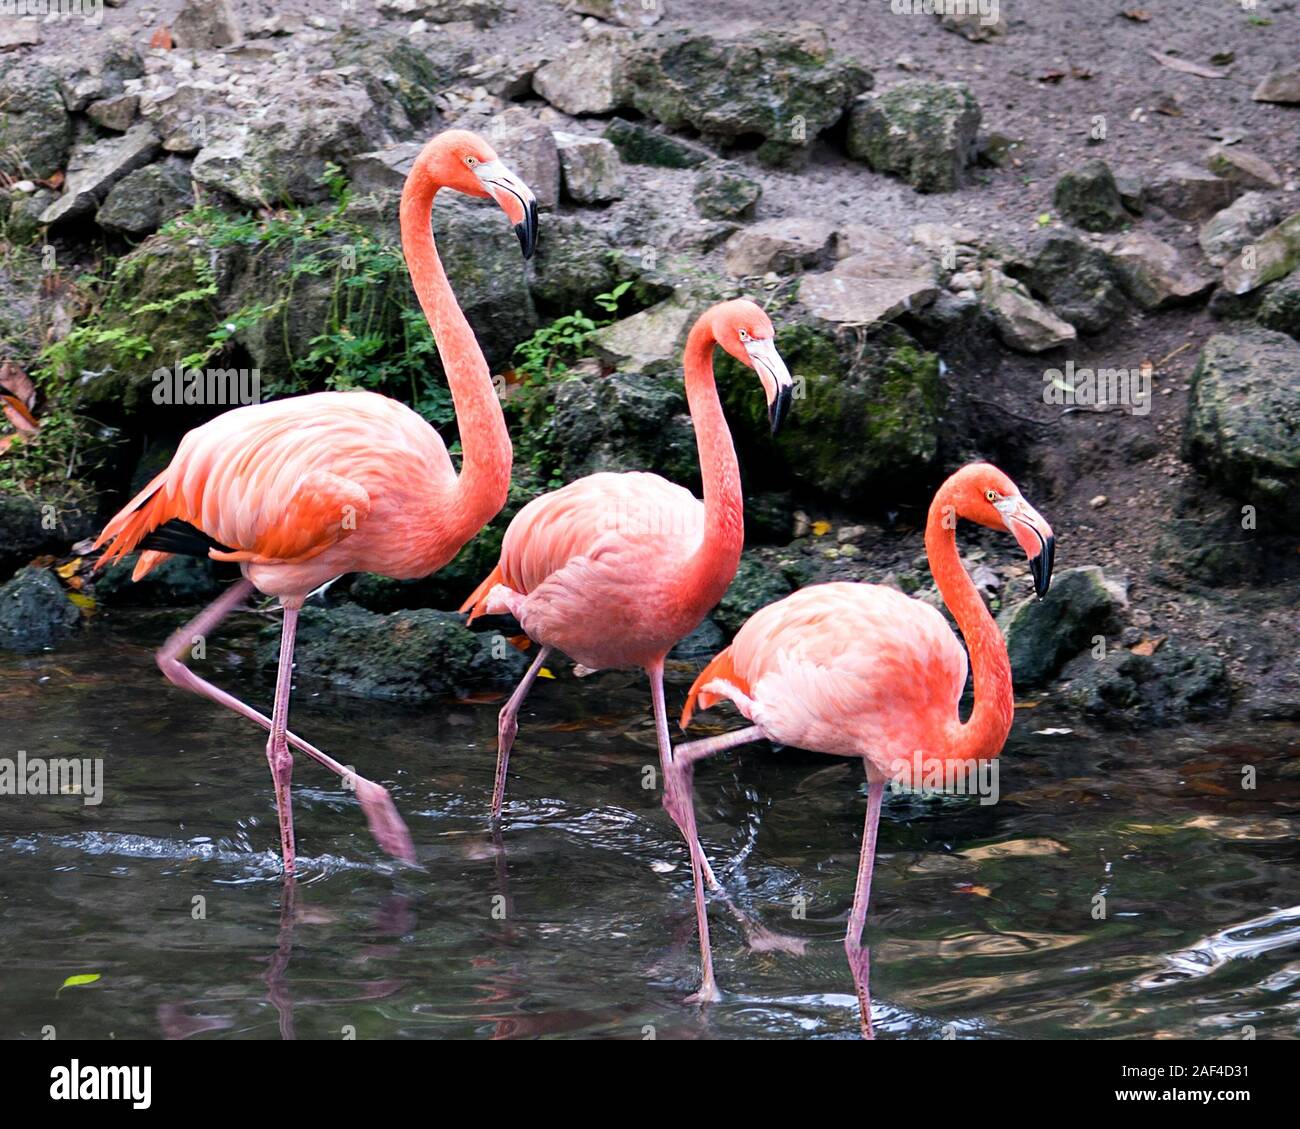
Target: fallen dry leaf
821 528
978 891
1016 848
69 569
1184 67
1051 76
1148 647
1138 15
18 414
162 38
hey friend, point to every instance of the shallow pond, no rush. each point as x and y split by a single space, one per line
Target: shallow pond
579 920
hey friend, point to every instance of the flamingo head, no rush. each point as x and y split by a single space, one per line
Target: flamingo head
985 495
463 161
745 331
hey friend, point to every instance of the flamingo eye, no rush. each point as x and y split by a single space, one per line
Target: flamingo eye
991 495
471 161
744 335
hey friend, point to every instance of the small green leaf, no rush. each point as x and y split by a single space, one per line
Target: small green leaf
1044 219
78 980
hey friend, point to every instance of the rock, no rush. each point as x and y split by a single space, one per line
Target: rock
586 79
1281 86
756 585
19 33
842 299
1243 168
869 420
401 78
1042 634
1089 198
185 116
780 245
27 528
628 13
1021 322
383 169
99 70
1166 688
1189 192
35 130
640 145
282 158
625 421
575 261
205 24
1209 547
1076 278
593 172
1279 308
1156 274
922 131
974 26
1275 254
1227 232
94 169
177 582
408 656
35 612
115 113
725 86
529 148
482 13
646 342
1243 416
141 202
722 192
700 645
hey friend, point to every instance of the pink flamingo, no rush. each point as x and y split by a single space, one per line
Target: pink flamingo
859 670
302 490
614 569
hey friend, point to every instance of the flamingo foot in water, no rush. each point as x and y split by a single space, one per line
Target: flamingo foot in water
860 964
385 824
708 994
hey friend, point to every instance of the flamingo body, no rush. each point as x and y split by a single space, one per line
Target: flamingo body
594 569
855 670
303 490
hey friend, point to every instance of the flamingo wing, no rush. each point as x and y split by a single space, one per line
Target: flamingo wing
589 520
836 667
257 485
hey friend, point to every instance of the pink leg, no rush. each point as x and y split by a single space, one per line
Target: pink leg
385 824
508 726
666 759
277 746
860 958
679 800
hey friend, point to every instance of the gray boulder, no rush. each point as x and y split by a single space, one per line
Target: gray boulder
1042 634
1190 192
1243 420
1167 688
35 612
99 70
141 202
1274 255
782 245
641 145
35 129
1279 306
1022 322
205 24
1076 278
1241 222
1155 273
1089 197
923 131
724 193
94 169
586 79
592 169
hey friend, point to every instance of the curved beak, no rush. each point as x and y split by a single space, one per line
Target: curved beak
775 378
516 200
1035 536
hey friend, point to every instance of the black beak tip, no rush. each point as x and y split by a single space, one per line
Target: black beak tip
777 410
526 230
1041 567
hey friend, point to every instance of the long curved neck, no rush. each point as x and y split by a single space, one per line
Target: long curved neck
985 731
715 562
484 479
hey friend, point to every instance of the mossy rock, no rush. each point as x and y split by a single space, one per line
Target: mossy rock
868 419
575 261
1089 198
408 656
920 130
1167 688
1279 306
756 585
35 128
179 581
35 612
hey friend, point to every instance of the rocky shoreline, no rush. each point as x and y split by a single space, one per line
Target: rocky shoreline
947 283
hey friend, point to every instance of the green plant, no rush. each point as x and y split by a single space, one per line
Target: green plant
553 348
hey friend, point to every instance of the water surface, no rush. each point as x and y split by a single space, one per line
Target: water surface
578 921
